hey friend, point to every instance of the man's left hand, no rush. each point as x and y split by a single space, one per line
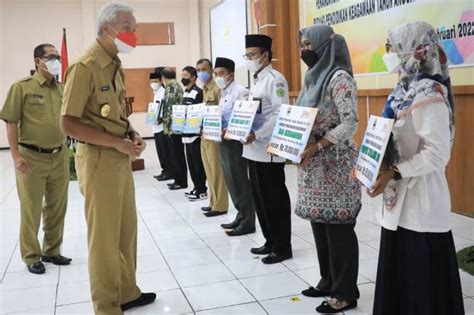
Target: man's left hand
251 138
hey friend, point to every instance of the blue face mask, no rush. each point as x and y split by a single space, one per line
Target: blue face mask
204 76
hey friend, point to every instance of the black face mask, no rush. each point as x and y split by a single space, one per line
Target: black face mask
185 81
309 57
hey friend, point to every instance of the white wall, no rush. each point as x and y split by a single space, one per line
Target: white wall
26 23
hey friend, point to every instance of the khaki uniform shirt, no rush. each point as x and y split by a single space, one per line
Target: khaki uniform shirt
34 105
95 92
212 93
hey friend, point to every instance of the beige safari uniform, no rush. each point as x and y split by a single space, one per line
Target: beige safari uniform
95 92
34 105
211 159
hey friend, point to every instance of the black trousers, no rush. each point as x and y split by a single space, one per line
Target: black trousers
179 171
338 256
163 151
196 168
273 205
237 179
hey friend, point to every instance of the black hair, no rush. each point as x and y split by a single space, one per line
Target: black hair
204 60
39 51
159 70
270 53
168 73
191 70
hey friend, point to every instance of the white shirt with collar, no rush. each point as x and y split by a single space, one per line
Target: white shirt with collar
232 93
158 96
423 139
271 89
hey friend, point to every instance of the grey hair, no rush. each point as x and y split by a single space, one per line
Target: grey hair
109 14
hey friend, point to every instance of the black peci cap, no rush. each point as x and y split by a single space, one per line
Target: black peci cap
155 75
225 63
258 40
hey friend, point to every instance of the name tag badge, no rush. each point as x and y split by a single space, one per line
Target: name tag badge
105 88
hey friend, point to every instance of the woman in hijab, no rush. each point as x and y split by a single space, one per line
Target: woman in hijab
327 194
417 270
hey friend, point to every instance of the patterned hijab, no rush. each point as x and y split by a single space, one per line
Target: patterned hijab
421 58
416 44
333 55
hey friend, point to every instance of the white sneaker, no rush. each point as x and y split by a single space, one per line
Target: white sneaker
198 197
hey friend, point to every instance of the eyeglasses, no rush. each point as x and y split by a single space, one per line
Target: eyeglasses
250 55
52 57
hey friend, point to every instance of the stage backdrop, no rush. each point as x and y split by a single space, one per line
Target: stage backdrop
364 24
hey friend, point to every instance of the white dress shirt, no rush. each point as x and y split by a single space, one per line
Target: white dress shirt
271 89
422 136
158 96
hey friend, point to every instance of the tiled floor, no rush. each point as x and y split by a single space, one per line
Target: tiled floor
186 258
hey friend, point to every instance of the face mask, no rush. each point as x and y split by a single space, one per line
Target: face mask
204 76
253 65
392 62
125 42
155 86
221 82
53 66
185 81
309 57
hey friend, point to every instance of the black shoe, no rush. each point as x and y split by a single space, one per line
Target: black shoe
313 292
326 308
264 250
177 187
144 299
231 225
56 260
206 209
171 184
163 177
238 231
37 268
213 213
198 196
274 258
190 193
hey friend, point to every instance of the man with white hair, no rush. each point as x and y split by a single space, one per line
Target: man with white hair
93 112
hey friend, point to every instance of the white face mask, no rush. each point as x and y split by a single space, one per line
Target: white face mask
253 65
221 82
155 86
392 62
53 66
122 47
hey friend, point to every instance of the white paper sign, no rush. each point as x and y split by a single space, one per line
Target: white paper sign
372 149
152 113
292 131
241 120
178 118
193 122
212 124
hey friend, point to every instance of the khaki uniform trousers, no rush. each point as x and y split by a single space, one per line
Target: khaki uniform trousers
42 192
106 181
211 159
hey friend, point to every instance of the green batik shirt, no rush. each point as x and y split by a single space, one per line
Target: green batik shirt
173 96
